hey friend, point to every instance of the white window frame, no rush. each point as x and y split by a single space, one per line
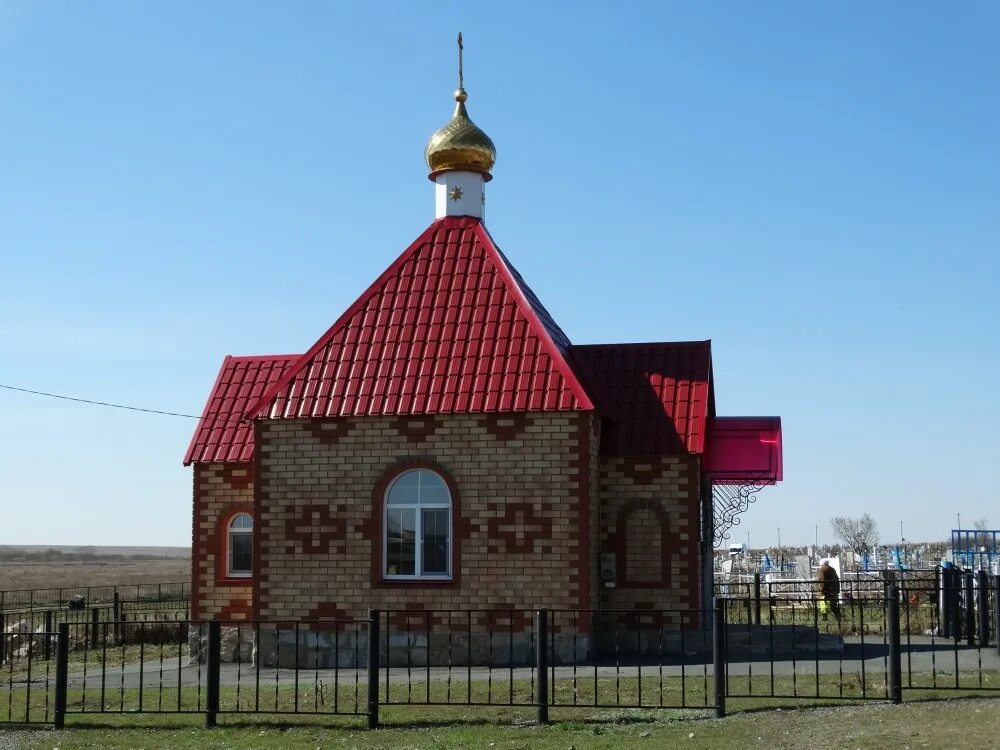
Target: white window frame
230 533
419 575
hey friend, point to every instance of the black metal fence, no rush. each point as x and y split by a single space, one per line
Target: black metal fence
21 600
852 585
911 641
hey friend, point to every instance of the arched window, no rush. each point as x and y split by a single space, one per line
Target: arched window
239 546
417 526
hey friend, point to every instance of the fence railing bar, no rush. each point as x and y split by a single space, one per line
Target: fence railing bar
633 638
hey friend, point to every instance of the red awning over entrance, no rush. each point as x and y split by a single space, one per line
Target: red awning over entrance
744 450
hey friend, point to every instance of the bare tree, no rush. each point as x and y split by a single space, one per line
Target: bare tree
980 526
858 534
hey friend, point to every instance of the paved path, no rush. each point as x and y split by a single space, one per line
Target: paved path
920 655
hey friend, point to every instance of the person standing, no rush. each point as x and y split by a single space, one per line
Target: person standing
829 589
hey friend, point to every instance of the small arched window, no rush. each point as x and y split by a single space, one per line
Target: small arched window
239 546
417 526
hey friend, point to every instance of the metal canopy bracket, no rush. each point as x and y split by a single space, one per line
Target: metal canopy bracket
729 501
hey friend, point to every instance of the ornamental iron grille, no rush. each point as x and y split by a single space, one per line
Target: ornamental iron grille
730 501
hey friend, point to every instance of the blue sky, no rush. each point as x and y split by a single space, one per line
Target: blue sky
813 187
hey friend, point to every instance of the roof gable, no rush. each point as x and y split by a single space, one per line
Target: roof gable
656 398
222 434
449 327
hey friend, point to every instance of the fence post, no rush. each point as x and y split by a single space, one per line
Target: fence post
116 610
946 598
62 675
212 686
996 611
47 640
756 598
983 607
719 656
542 664
95 624
970 610
895 652
3 634
374 616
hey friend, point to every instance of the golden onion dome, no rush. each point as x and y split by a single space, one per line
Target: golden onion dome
460 145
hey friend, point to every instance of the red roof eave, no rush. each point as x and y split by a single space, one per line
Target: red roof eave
222 435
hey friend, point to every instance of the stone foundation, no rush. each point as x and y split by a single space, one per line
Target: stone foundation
306 648
236 645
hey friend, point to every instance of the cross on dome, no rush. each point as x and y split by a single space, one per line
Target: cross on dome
460 157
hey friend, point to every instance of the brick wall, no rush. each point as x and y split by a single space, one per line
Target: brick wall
523 485
649 520
220 491
595 514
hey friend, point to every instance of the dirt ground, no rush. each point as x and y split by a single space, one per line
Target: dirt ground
94 572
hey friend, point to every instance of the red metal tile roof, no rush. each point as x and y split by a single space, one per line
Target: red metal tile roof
655 398
222 433
449 327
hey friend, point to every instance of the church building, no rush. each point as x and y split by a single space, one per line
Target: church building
445 445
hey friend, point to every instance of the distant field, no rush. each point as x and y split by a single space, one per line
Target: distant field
36 567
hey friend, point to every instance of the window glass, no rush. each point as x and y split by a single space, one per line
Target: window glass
435 541
401 542
417 526
241 553
240 545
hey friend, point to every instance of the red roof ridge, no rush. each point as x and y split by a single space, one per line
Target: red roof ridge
501 266
567 371
694 342
295 369
252 357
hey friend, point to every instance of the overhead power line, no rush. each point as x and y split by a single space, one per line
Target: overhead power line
99 403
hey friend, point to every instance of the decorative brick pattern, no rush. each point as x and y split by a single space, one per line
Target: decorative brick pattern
634 492
220 490
518 529
644 470
239 476
416 429
549 469
315 528
328 432
505 426
326 611
534 504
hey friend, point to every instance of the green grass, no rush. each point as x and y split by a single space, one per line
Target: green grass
320 695
863 616
944 724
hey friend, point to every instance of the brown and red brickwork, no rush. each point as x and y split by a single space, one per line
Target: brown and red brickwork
522 491
649 520
534 504
220 492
